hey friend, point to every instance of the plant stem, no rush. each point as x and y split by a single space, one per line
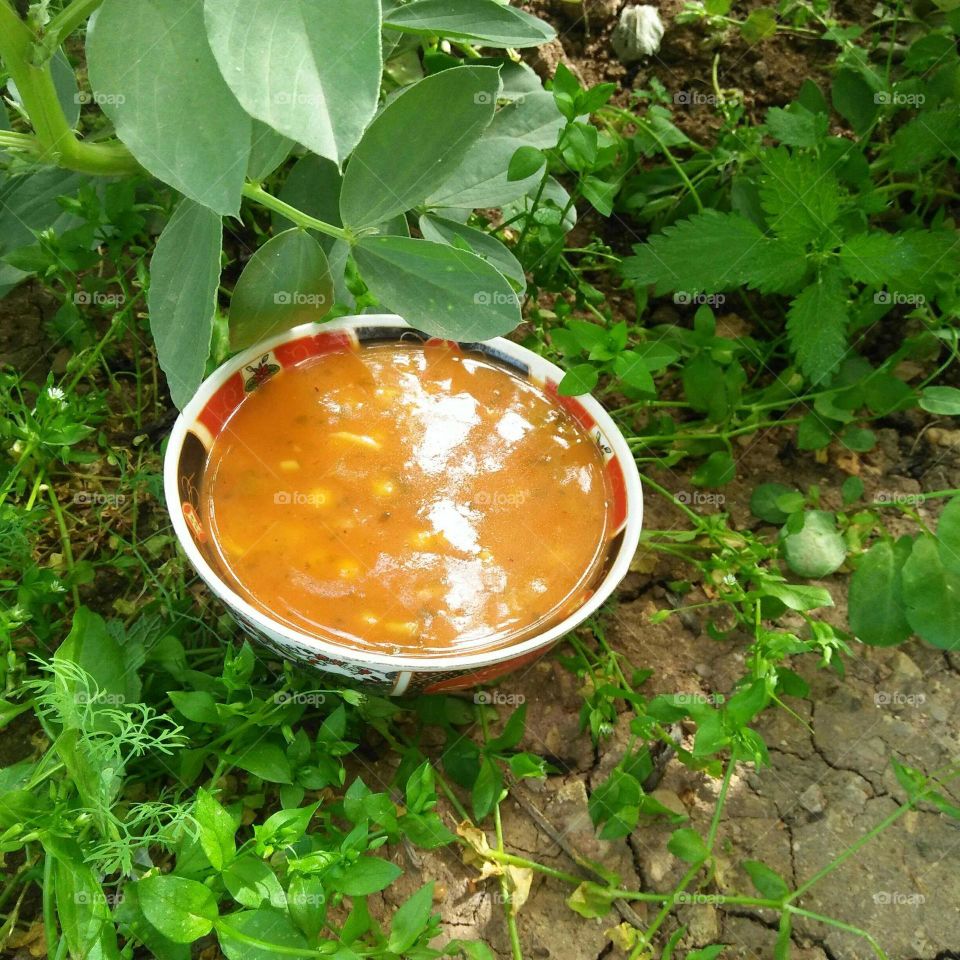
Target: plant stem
64 537
63 24
253 191
49 912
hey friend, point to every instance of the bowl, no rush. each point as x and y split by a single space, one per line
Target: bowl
220 394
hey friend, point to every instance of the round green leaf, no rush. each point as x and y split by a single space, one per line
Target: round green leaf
525 163
440 118
815 549
285 283
931 593
182 910
942 400
484 21
716 470
439 289
310 69
763 502
155 78
876 611
184 276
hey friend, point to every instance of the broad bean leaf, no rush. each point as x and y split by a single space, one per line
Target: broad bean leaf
487 22
489 248
184 276
268 149
439 289
876 611
931 593
310 69
312 186
440 118
157 81
286 282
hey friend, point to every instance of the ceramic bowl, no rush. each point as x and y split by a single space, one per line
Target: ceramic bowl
220 394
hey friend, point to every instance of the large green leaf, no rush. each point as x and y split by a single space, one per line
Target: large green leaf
286 282
313 186
480 179
458 234
948 535
82 906
817 325
181 909
253 935
812 545
184 276
439 289
416 141
484 21
308 68
932 595
156 79
876 612
268 149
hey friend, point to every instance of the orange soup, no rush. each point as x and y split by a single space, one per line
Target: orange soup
409 498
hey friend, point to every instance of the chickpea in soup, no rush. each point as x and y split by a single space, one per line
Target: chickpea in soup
410 498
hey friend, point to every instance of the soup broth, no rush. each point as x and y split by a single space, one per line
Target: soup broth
410 498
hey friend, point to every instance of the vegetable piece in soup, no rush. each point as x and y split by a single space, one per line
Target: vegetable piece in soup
411 499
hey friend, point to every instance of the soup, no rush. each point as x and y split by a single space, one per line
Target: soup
414 499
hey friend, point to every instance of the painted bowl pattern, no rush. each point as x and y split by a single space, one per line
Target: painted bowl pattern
221 393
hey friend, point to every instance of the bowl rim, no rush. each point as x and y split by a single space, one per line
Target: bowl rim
374 658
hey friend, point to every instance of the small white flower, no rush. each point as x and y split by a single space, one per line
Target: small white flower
55 393
638 34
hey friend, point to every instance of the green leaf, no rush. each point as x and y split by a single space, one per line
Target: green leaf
634 369
439 289
366 875
797 596
578 380
796 126
763 502
285 283
941 400
768 882
814 433
948 535
801 195
266 761
851 490
411 920
931 593
717 470
440 117
715 251
268 149
746 703
265 926
485 246
590 900
526 162
312 186
481 178
307 903
817 326
487 22
707 953
815 548
182 910
184 277
216 829
310 69
81 906
196 705
853 98
251 882
156 79
687 845
486 789
760 24
875 605
925 138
